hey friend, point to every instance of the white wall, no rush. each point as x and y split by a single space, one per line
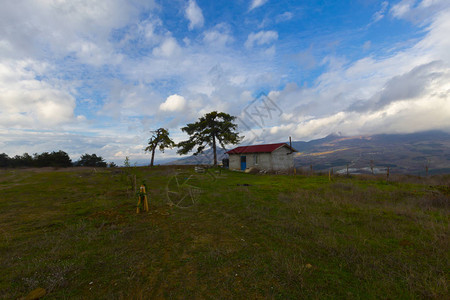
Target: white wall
277 160
235 161
282 159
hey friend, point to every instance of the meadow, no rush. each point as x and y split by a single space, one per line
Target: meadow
222 235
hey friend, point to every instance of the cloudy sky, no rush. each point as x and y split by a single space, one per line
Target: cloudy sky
95 76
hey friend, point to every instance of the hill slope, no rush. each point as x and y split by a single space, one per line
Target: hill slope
76 234
403 153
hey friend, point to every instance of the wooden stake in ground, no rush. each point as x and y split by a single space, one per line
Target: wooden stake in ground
387 174
142 199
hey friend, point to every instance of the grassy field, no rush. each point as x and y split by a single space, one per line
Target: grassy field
75 233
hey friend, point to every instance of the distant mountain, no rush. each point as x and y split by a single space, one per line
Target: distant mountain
205 158
402 153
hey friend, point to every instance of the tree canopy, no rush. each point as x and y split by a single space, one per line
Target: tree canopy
214 127
58 159
159 139
91 160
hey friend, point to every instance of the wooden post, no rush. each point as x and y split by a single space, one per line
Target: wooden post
142 199
387 174
347 169
145 198
311 169
329 175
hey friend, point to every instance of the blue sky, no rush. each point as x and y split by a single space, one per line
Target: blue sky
97 76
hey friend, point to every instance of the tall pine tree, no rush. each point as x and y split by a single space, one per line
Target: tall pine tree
160 138
211 129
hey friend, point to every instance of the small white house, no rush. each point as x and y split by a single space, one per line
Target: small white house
273 157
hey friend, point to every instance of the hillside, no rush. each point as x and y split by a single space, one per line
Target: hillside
222 235
402 153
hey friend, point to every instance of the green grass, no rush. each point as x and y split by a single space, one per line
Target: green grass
76 233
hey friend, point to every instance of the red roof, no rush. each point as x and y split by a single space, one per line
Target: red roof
267 148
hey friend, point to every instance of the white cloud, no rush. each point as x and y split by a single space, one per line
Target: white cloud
32 28
257 3
402 8
194 15
399 117
173 103
305 59
169 47
148 32
419 12
261 38
380 14
91 53
366 46
286 16
28 102
128 101
219 36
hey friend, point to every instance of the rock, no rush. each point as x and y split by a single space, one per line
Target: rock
36 294
252 170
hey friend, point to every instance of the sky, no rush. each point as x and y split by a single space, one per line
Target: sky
96 76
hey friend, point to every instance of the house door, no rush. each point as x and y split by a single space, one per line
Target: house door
243 162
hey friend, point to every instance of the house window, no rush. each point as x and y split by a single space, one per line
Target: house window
255 159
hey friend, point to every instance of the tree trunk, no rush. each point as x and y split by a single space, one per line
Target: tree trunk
214 150
153 157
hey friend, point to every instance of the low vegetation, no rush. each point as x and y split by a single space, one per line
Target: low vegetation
221 234
59 159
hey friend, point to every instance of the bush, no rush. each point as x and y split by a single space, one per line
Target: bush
5 161
54 159
91 160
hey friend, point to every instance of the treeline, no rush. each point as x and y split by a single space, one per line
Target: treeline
59 159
